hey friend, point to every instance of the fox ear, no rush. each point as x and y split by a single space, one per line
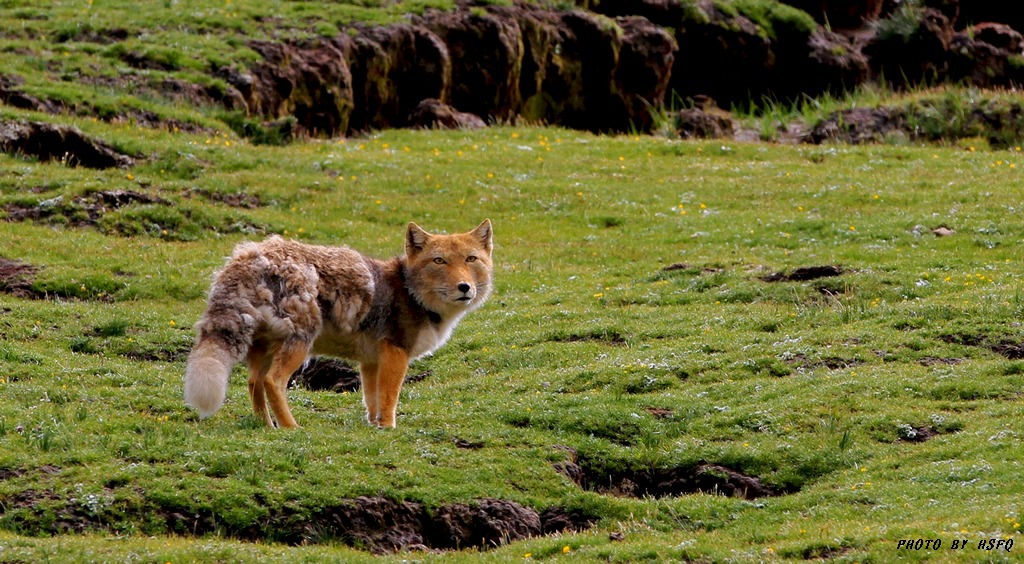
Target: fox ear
483 233
415 239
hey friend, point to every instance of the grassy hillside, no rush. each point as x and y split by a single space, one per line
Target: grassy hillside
879 403
834 328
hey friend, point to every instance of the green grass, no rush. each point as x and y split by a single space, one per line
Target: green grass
814 387
821 389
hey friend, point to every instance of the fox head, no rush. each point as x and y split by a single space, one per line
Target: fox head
449 274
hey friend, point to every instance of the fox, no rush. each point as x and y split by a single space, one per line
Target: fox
277 302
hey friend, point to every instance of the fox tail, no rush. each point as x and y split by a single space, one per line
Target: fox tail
206 375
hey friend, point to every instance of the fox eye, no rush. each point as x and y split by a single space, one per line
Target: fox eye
471 258
438 260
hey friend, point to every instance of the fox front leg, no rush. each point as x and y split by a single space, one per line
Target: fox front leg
394 362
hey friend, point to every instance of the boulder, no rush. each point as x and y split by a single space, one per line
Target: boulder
859 125
434 114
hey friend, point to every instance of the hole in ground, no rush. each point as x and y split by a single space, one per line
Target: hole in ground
702 477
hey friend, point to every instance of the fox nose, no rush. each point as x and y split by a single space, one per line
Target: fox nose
464 288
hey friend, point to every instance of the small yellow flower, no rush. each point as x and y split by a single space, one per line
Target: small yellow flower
172 323
599 295
566 549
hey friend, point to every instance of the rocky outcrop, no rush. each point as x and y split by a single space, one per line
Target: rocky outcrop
310 82
393 69
646 60
486 52
611 71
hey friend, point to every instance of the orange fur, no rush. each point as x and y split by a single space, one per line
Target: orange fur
276 302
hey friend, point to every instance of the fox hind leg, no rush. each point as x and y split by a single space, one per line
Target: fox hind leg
284 362
259 365
369 378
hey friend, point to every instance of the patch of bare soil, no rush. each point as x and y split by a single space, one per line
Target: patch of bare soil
16 277
803 362
940 361
805 273
235 200
1004 346
80 211
610 337
921 434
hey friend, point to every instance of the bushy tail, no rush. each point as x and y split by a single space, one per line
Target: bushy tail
206 376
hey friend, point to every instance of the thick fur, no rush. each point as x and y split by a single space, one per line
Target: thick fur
276 302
